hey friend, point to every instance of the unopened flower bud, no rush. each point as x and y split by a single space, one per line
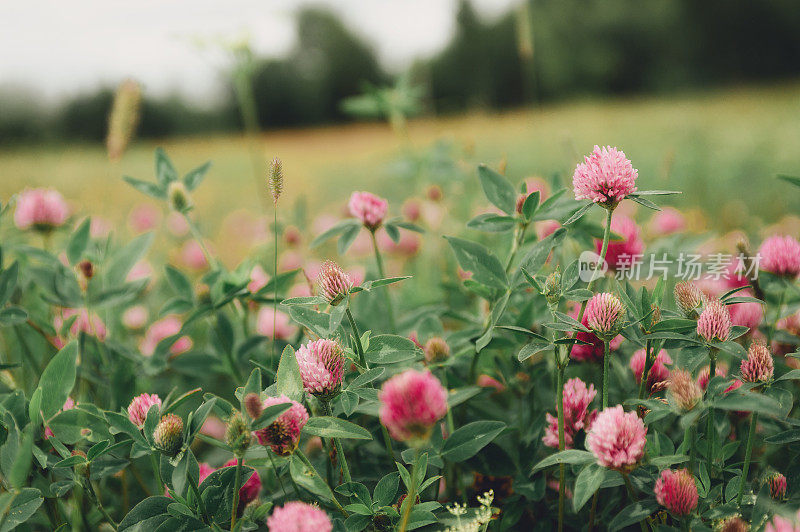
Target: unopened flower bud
689 299
203 293
684 391
714 322
334 283
168 435
436 349
179 199
734 524
605 315
252 405
275 179
758 366
81 468
237 435
86 268
552 288
777 486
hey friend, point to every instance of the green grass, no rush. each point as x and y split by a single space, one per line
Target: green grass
722 148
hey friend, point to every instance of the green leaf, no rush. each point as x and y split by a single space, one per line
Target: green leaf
146 516
390 349
535 258
577 215
147 188
12 316
646 202
179 282
58 379
570 456
588 482
790 179
307 478
8 282
25 503
530 204
522 330
631 514
530 349
289 381
386 489
748 402
348 237
366 377
473 257
165 171
332 427
217 492
492 223
78 242
336 230
498 189
124 259
269 415
466 441
195 177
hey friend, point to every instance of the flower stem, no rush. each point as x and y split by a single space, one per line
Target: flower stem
199 239
357 337
309 465
278 477
157 473
411 498
606 359
774 324
100 506
648 365
712 371
326 406
275 281
382 275
387 440
632 495
561 444
747 455
600 260
236 485
519 236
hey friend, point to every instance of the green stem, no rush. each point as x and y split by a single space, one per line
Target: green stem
277 476
593 510
519 236
236 485
337 443
387 440
747 455
100 506
309 465
606 359
200 503
632 495
275 280
648 364
561 444
382 275
157 473
411 498
600 260
774 324
712 371
359 348
199 239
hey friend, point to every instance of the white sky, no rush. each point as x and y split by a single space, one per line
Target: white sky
61 47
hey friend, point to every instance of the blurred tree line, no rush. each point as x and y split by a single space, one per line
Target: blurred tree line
543 50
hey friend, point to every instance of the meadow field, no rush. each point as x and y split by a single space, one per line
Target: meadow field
364 328
722 148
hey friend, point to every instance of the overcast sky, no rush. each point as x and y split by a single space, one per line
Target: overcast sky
61 47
